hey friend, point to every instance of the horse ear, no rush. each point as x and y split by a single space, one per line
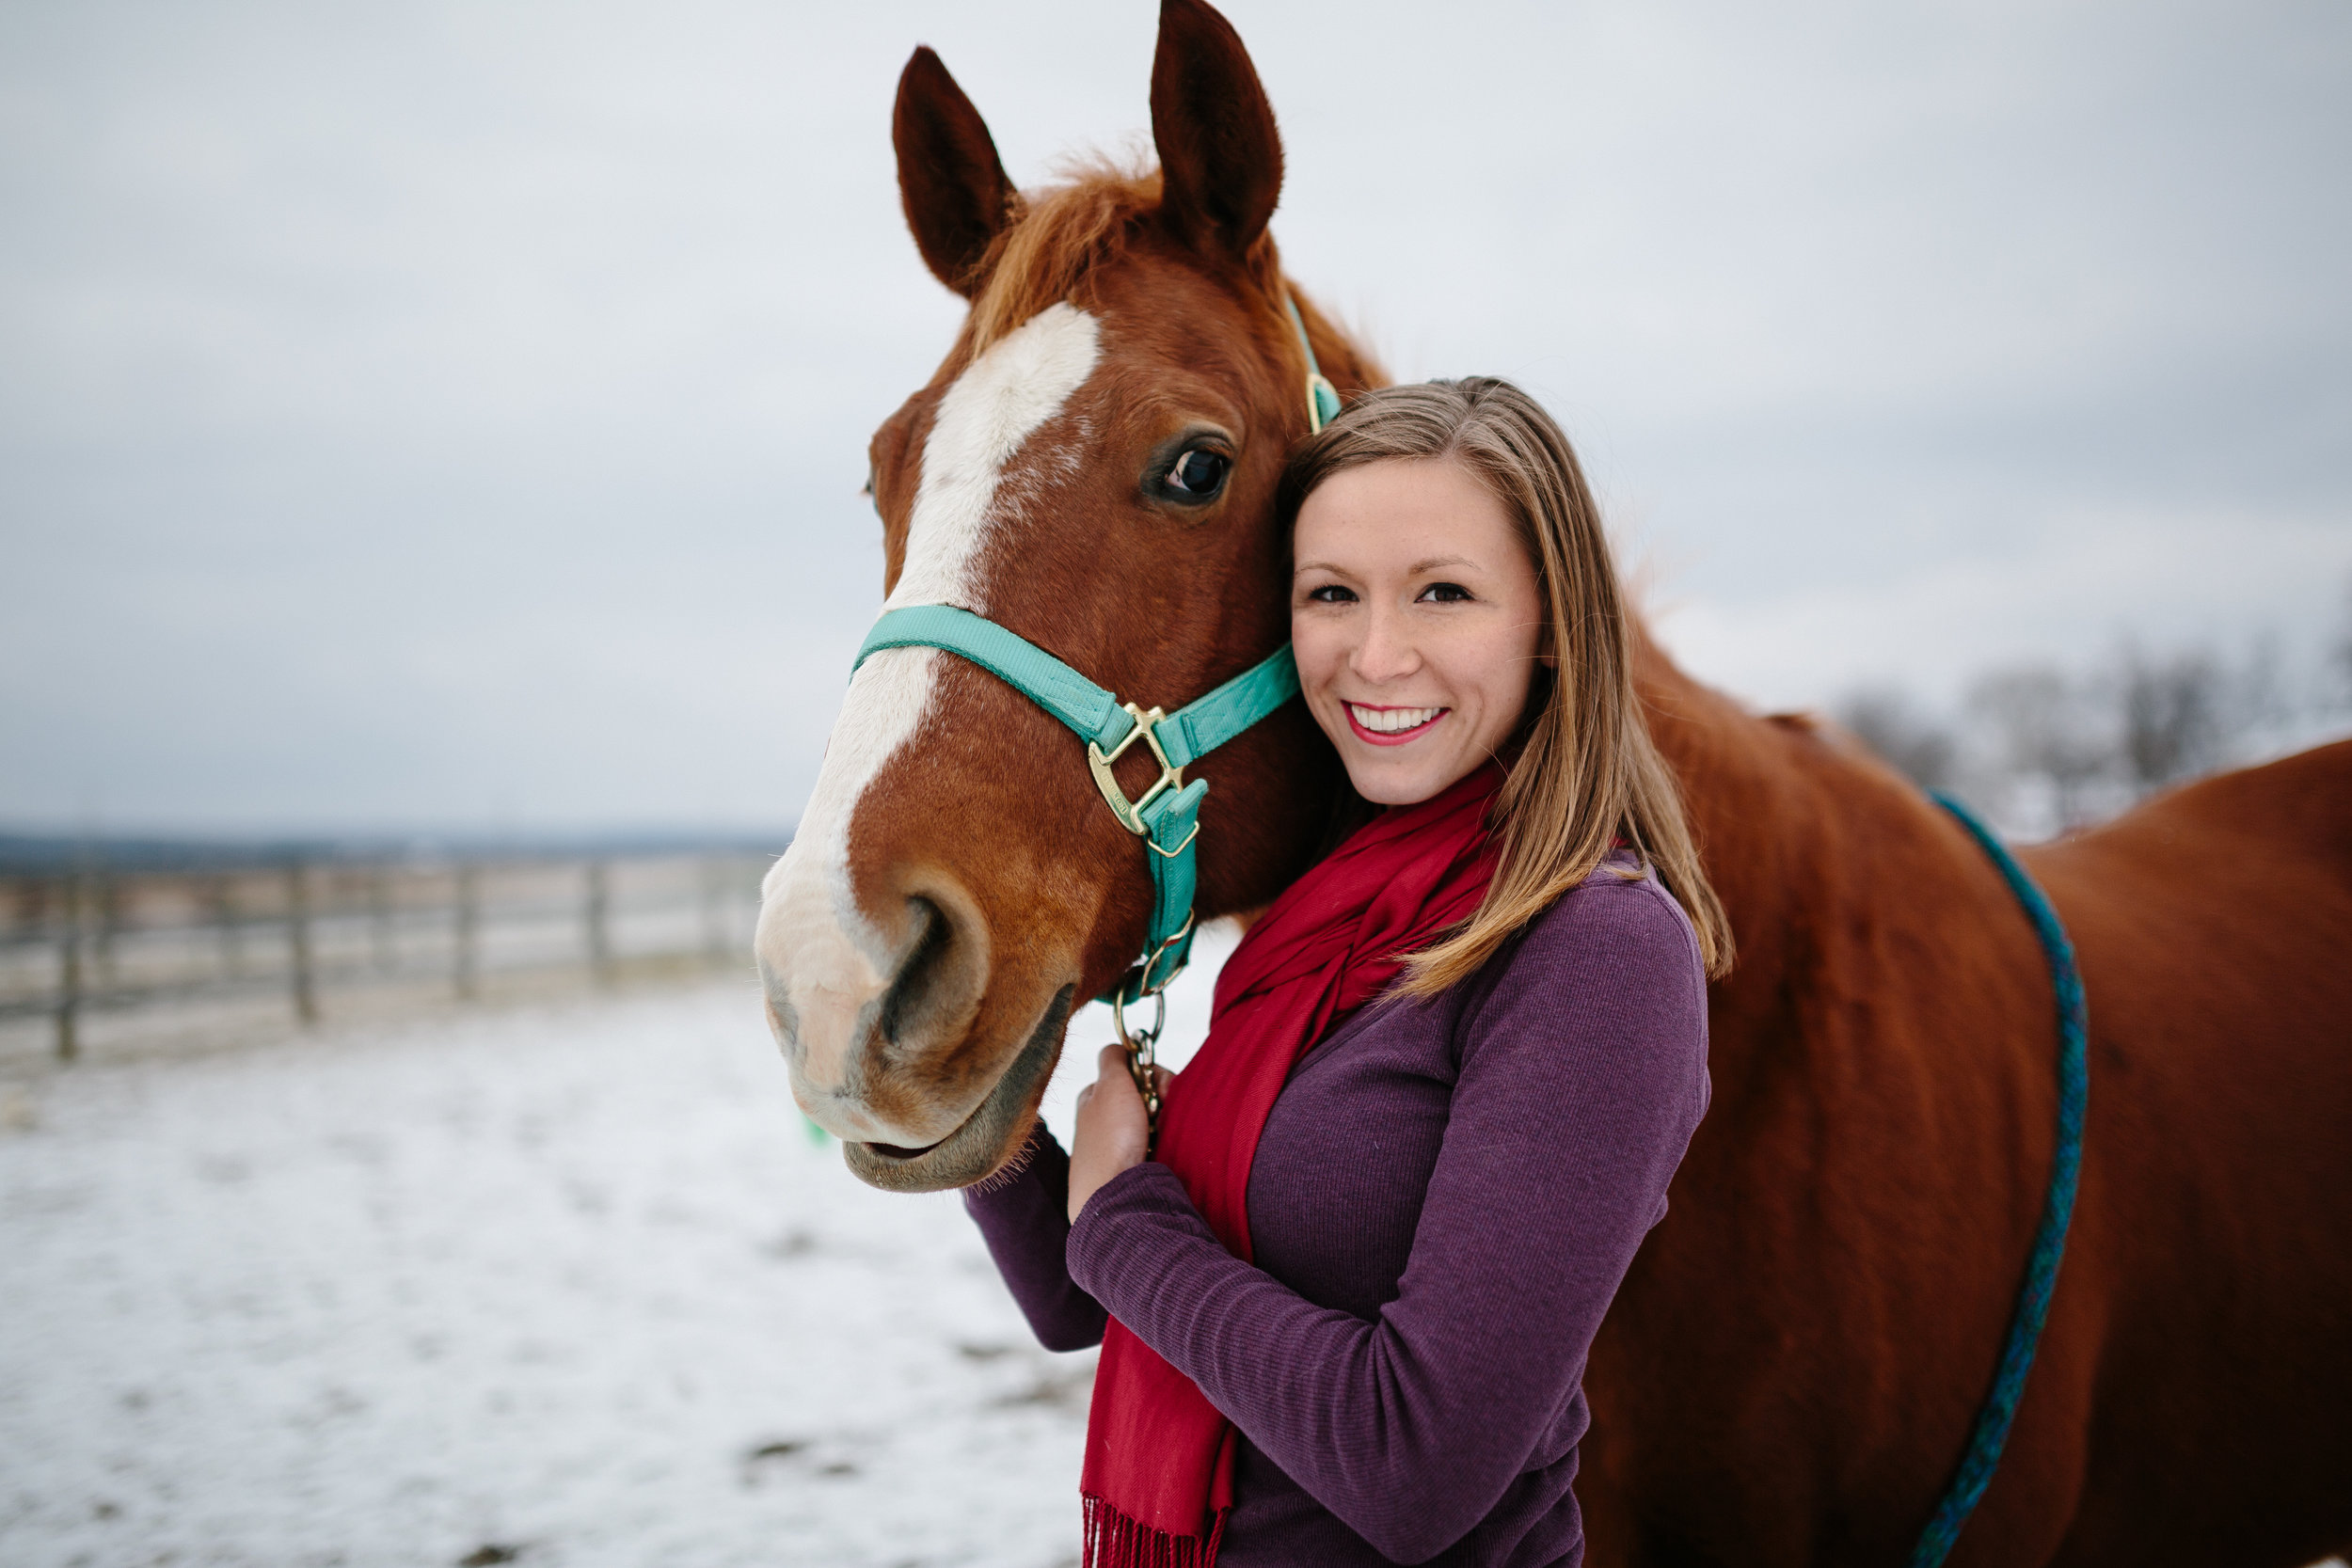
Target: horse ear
1221 156
950 180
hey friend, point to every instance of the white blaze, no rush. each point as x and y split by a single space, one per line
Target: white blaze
995 406
816 944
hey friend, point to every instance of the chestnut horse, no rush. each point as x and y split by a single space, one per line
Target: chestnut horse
1790 1373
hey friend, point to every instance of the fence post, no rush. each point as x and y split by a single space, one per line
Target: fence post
380 920
714 910
599 921
306 1001
468 922
105 899
70 967
220 893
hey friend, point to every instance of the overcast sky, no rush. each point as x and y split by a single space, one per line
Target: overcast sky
451 415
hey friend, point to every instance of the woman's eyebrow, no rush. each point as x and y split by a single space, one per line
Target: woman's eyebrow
1332 567
1437 561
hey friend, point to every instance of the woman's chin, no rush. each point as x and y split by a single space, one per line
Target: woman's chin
1398 778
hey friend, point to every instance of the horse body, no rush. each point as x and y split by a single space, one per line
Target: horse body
2213 926
1790 1371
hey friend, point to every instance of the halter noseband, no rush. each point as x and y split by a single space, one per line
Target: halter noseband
1165 815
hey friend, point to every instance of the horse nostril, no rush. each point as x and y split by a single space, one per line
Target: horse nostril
915 992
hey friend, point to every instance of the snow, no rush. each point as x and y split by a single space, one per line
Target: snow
574 1282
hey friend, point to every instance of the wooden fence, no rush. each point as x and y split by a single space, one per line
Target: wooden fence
78 942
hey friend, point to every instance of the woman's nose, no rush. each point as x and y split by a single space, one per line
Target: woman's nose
1386 652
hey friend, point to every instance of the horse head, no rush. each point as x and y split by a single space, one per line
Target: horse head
1092 467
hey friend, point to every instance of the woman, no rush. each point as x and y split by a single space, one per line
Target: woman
1345 1309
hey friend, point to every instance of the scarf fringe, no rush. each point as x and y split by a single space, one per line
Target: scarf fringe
1115 1541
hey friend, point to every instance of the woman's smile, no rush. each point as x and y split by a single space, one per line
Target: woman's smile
1392 726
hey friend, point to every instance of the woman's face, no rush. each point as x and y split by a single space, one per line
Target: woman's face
1415 617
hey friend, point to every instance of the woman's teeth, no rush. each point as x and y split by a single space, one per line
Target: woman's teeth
1392 720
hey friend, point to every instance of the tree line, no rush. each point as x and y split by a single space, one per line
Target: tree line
2044 749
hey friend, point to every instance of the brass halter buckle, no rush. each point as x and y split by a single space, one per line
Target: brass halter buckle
1139 1045
1130 813
1147 975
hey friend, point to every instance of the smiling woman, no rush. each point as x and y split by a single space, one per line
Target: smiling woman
1323 1348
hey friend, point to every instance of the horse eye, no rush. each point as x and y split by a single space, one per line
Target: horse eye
1199 473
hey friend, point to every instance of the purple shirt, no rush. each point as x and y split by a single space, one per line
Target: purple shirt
1446 1197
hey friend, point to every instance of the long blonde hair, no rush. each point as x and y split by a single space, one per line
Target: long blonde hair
1587 773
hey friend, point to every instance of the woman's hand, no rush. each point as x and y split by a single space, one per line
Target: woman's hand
1113 1128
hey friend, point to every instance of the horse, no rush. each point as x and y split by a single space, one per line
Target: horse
1792 1369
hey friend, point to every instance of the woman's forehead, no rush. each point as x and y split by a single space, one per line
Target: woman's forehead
1406 515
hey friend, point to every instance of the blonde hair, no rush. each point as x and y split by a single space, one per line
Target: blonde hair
1587 773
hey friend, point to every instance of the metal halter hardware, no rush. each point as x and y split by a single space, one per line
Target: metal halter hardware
1142 1061
1130 813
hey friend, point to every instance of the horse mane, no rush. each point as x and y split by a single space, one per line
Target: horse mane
1060 234
1057 237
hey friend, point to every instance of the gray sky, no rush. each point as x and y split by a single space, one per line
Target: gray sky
451 415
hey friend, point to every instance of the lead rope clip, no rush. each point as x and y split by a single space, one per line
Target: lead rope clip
1142 1066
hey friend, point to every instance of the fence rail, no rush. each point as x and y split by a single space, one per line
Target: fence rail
89 940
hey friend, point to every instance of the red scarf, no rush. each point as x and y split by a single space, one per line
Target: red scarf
1159 1465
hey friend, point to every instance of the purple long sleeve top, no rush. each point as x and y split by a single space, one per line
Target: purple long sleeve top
1446 1197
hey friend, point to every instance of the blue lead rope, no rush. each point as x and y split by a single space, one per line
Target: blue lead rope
2057 1208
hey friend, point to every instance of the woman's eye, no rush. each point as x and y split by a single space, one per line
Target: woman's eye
1331 593
1444 592
1198 473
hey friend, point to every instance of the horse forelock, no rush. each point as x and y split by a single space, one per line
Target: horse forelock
1057 237
1062 235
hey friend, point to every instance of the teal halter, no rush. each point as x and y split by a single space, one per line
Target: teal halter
1165 815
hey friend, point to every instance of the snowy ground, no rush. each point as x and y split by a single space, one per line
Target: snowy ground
569 1286
572 1284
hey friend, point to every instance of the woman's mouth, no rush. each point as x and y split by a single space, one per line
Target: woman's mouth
1390 726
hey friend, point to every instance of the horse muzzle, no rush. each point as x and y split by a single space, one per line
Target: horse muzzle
884 1029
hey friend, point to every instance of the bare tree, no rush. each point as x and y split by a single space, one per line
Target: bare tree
2174 710
1884 719
2046 750
2042 724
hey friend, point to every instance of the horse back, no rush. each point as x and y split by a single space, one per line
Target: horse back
2210 1260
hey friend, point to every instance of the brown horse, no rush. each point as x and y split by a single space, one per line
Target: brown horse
1791 1369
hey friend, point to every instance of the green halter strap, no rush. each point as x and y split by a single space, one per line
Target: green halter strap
1165 815
1322 399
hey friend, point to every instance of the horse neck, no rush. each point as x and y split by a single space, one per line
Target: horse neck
1840 880
1779 810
